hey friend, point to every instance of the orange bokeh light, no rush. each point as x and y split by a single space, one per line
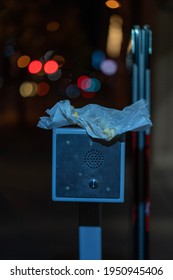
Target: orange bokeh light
112 4
23 61
53 26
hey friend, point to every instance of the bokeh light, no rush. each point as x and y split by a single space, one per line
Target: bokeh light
59 59
9 50
35 66
88 84
50 67
23 61
112 4
109 67
115 36
96 59
84 82
42 88
129 47
55 76
72 91
52 26
28 89
95 85
48 55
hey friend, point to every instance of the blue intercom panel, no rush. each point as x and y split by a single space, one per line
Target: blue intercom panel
85 169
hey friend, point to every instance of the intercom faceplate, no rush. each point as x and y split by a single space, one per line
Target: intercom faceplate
85 169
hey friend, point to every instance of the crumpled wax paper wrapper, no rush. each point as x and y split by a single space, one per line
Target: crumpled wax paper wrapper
99 122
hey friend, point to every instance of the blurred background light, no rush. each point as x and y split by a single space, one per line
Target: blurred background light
23 61
55 76
115 36
59 59
88 84
96 85
9 50
52 26
42 88
129 56
35 66
96 59
109 67
72 91
48 55
129 47
50 67
113 4
83 82
28 89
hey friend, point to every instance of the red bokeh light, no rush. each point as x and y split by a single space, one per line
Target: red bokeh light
42 88
84 82
35 66
50 67
80 80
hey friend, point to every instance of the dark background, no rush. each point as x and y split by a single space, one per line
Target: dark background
31 225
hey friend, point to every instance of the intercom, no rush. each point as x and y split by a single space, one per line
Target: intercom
86 169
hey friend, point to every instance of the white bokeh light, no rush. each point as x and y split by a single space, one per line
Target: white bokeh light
109 67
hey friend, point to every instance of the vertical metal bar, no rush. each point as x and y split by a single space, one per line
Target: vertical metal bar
135 51
137 146
141 41
141 139
90 232
135 97
148 52
90 243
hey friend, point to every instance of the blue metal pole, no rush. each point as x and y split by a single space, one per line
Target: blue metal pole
90 232
90 243
141 42
148 52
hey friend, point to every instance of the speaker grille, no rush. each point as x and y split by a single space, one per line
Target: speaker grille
94 159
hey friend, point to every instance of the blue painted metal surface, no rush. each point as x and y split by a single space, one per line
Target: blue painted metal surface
107 166
90 243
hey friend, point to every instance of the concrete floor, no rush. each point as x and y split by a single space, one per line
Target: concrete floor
34 227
